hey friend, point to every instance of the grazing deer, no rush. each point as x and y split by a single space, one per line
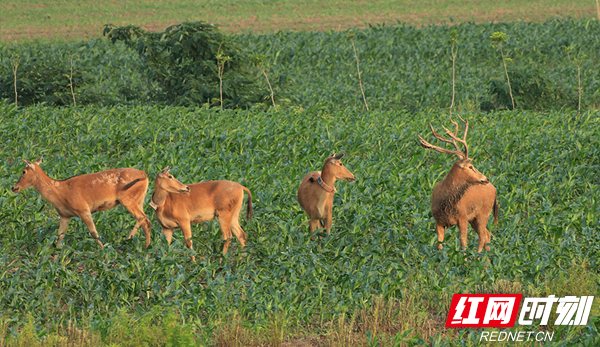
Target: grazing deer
178 206
80 196
464 196
315 193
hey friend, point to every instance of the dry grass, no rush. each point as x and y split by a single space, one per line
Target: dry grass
388 323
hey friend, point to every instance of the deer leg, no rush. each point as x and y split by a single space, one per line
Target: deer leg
168 234
440 233
187 234
328 222
483 234
489 239
89 222
225 224
239 233
142 220
314 225
64 222
463 226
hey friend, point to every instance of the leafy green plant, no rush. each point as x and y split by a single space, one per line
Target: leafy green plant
351 37
453 52
188 60
576 61
497 39
221 61
71 82
44 75
532 88
14 63
259 61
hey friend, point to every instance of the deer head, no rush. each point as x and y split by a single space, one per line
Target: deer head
462 170
26 179
333 165
166 181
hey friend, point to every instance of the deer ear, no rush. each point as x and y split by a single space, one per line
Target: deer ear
164 171
29 164
39 160
464 162
339 156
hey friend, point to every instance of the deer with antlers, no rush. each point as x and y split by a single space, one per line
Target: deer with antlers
464 196
80 196
316 191
178 205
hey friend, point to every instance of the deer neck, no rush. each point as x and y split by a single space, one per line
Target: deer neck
46 186
328 180
158 198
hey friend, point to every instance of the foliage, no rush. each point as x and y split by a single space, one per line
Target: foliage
43 78
532 90
407 67
545 166
102 74
187 61
403 67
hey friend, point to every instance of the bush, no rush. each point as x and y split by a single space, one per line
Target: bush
42 78
103 74
532 90
184 61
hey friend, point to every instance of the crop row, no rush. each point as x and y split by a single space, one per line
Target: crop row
403 67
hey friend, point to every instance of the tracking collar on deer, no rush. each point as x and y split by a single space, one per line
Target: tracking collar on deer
325 186
153 205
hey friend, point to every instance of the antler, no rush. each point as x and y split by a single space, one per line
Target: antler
454 138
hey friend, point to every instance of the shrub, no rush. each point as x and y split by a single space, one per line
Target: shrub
532 90
183 60
43 77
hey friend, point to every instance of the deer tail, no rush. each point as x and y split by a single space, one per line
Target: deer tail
248 204
496 211
130 184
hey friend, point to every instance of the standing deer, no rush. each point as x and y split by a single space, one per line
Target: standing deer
464 196
80 196
316 190
178 206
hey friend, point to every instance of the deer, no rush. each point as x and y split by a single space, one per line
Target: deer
177 205
316 191
464 196
82 195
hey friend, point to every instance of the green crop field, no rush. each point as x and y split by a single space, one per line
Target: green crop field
377 279
282 286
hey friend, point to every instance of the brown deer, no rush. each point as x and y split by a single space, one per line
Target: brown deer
316 191
80 196
178 206
464 196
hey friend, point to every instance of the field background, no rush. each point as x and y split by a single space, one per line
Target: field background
379 265
73 20
377 279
